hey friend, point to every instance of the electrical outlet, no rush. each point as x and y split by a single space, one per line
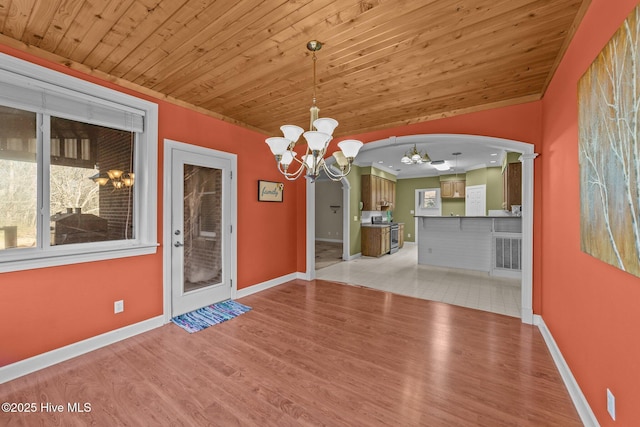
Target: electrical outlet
409 235
118 306
611 404
355 217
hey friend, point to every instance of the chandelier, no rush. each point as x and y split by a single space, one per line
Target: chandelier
318 138
118 178
414 157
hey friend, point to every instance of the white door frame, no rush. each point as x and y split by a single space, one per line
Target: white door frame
169 146
346 213
527 158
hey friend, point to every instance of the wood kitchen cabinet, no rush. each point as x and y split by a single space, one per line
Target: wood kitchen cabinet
376 241
512 185
377 193
400 235
452 189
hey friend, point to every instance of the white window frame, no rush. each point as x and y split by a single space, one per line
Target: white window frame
146 161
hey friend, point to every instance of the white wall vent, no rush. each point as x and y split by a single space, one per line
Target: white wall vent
507 252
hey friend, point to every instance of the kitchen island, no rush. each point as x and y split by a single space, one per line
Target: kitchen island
490 244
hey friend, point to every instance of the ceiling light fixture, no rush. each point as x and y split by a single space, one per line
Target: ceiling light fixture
318 138
456 154
118 178
456 193
414 157
441 165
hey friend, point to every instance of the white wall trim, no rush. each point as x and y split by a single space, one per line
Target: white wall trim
354 256
44 360
582 406
310 225
268 284
346 222
510 274
527 158
59 355
301 275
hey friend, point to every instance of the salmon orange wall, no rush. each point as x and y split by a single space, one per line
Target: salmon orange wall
45 309
590 307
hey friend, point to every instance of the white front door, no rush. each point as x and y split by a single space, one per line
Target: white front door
476 203
202 253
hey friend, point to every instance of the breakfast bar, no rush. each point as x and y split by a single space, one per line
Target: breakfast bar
490 244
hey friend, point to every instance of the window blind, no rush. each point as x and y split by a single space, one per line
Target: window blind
30 94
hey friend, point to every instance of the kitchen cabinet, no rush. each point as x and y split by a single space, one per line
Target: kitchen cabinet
512 185
452 189
377 193
400 235
375 241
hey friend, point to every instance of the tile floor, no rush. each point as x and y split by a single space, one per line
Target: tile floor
400 273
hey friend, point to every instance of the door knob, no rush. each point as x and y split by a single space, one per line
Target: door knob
177 244
177 232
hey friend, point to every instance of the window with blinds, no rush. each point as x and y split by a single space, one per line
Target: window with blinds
77 170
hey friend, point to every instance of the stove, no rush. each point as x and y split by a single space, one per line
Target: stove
394 229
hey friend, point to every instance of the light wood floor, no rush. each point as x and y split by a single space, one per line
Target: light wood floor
317 353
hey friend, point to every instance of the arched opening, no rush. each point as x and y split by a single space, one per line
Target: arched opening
527 155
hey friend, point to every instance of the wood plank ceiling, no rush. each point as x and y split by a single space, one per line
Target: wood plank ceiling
384 62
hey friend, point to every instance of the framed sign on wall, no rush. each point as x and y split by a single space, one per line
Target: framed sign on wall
269 191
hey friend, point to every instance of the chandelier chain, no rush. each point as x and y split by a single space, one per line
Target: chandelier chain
318 138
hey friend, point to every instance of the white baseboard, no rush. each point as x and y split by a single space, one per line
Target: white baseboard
582 406
354 256
266 285
509 274
41 361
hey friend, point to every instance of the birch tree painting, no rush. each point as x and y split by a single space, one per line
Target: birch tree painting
608 120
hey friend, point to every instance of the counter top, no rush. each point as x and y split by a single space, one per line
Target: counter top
475 217
470 242
505 224
380 225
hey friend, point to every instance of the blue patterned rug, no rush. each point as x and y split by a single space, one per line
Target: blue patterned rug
204 317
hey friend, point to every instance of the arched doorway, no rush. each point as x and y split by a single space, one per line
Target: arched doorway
527 156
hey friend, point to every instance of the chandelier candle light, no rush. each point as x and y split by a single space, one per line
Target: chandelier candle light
414 157
118 178
318 138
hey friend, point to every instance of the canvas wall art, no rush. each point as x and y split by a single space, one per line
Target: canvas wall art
608 126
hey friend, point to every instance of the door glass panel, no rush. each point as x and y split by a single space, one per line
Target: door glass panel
202 223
